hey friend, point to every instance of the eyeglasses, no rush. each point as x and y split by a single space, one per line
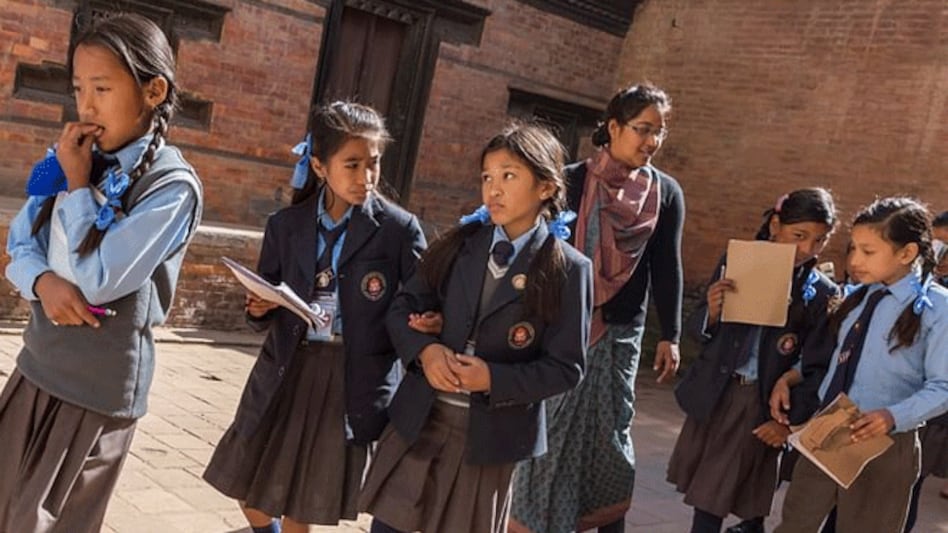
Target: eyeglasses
647 130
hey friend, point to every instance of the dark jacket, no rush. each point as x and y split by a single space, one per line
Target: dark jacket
805 337
387 243
509 423
660 267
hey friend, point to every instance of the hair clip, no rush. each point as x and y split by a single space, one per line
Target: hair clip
481 214
809 290
301 172
559 226
115 186
47 177
921 294
779 205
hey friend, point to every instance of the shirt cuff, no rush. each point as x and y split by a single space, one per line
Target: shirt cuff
24 276
904 421
79 203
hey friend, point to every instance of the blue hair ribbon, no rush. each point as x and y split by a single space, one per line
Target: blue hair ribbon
481 214
809 289
921 294
559 226
47 177
301 172
849 288
116 183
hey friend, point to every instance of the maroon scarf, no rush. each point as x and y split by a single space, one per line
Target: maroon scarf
628 200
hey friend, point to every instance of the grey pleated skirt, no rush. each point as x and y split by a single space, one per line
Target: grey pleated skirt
719 465
58 462
298 463
427 486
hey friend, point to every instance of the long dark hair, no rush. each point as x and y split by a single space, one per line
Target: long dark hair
334 124
543 154
143 49
813 204
900 221
627 104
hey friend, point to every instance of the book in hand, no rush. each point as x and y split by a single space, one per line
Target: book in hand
826 440
280 294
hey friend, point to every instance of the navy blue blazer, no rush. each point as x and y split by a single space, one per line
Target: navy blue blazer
529 360
805 337
382 246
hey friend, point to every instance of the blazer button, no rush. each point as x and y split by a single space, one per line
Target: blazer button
281 371
723 369
296 330
736 343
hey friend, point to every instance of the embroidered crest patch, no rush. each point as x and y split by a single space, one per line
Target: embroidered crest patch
520 335
787 343
373 286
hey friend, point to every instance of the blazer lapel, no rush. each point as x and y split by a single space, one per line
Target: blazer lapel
305 244
506 292
471 265
360 230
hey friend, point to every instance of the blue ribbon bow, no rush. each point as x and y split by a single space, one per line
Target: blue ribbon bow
559 226
849 288
921 294
481 214
115 186
47 177
809 290
301 172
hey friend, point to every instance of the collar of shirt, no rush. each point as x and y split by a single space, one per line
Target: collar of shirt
131 154
518 243
901 290
323 216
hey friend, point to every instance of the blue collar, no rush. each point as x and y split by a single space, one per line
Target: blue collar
131 154
323 216
519 243
902 290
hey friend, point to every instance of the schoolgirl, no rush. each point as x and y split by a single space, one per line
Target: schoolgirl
104 232
316 399
516 305
725 459
889 358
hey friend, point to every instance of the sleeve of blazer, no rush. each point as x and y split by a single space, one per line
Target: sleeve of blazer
665 263
268 266
698 320
410 253
415 297
563 359
817 350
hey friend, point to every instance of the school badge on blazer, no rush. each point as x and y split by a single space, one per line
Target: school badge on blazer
787 343
373 286
521 335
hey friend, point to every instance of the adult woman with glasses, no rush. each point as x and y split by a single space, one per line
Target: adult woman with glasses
630 223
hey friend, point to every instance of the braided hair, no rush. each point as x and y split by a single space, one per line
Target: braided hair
144 50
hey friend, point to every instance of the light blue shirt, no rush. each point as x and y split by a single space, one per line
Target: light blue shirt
322 216
749 369
518 244
911 382
129 252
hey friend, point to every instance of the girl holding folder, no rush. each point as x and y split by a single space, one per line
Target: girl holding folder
316 399
892 334
725 460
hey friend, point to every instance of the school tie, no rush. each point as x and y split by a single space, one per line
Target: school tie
502 252
851 350
325 277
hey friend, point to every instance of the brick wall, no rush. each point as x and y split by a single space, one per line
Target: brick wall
771 96
523 48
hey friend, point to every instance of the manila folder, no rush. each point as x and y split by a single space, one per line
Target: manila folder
762 272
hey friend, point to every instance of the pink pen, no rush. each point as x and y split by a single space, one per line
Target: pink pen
101 311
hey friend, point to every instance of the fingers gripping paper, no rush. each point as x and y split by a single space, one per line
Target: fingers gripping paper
280 294
762 272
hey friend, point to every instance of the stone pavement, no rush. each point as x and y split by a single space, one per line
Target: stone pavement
199 378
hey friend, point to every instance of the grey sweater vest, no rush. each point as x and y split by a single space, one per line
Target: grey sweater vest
109 369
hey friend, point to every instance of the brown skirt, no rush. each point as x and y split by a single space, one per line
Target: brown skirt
427 486
298 463
719 465
934 439
59 462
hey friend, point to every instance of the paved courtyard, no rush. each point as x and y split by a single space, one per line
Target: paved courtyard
198 382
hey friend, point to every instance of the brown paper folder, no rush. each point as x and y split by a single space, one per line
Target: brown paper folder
763 275
826 441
